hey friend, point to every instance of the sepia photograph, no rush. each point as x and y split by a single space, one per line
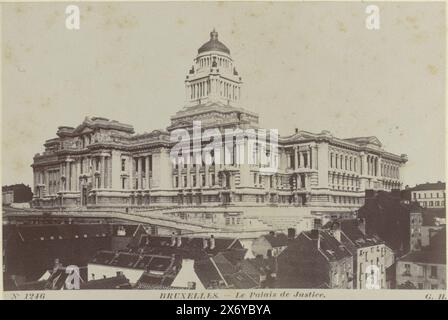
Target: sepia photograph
223 150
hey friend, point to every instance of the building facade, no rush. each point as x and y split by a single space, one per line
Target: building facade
426 268
103 163
429 195
315 259
368 250
394 219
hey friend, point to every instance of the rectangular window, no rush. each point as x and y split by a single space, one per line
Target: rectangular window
123 164
433 272
407 269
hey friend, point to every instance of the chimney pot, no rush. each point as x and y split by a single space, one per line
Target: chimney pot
173 239
212 242
291 233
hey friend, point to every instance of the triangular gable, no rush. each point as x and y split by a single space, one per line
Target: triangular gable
375 141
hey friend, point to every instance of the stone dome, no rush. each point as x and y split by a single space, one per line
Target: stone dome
213 44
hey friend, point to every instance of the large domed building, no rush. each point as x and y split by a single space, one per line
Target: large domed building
102 163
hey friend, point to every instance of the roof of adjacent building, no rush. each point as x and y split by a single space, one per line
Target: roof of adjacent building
61 231
435 253
429 186
276 239
352 233
155 281
135 261
424 256
189 247
330 248
117 282
218 271
430 216
213 44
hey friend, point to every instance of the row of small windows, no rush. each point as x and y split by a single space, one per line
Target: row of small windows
225 89
430 195
390 171
337 179
136 164
220 62
346 200
199 90
343 162
194 181
432 204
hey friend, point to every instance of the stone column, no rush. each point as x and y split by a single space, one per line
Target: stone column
102 172
378 162
363 164
189 182
73 175
78 172
207 177
139 173
198 176
131 173
296 164
314 157
147 171
216 175
67 175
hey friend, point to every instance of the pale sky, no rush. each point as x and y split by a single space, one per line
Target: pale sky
313 66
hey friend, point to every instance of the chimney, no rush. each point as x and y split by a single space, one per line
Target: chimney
204 243
212 242
119 273
57 265
297 130
179 241
336 231
191 285
173 239
291 233
272 233
362 225
337 234
121 232
318 240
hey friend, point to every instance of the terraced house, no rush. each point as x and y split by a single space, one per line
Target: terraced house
104 163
